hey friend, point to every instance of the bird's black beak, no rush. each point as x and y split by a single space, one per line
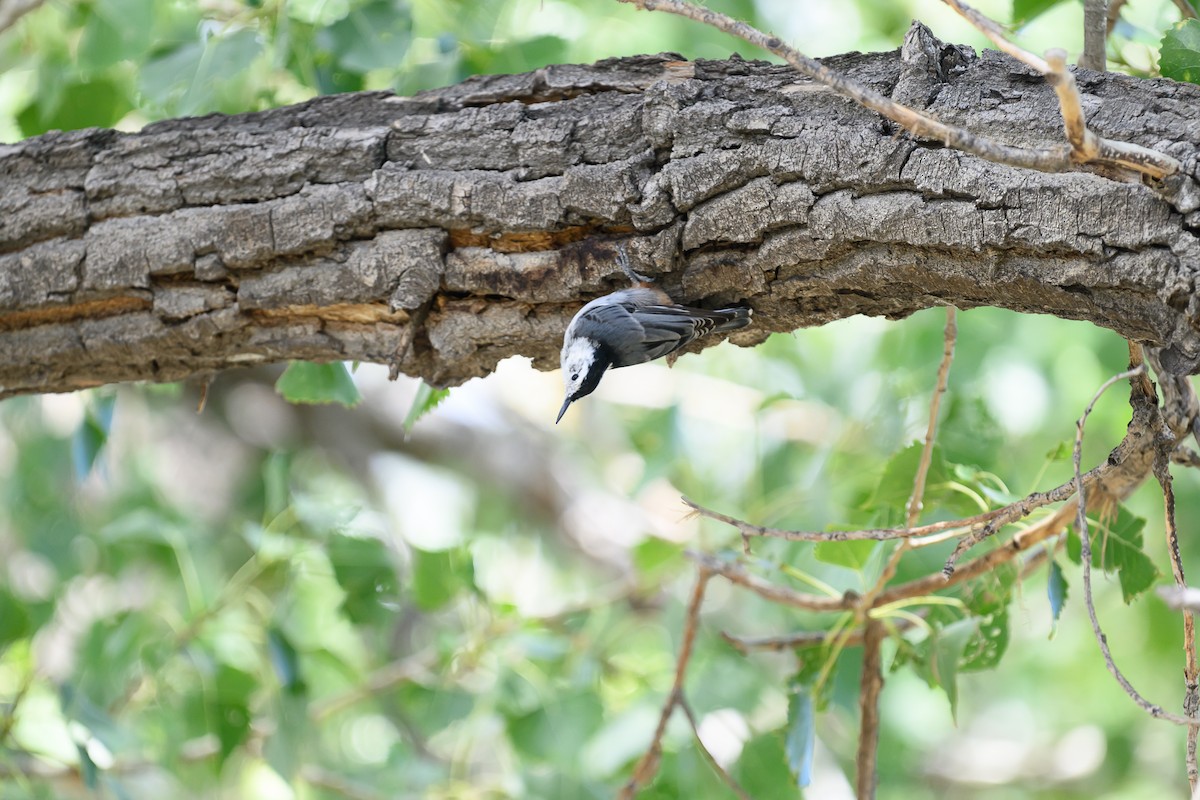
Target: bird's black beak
563 410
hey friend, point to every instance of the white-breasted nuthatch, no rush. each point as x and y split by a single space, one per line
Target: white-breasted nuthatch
632 326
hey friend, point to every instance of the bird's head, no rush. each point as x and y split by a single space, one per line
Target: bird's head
583 364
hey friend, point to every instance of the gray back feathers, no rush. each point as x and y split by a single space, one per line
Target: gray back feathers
638 325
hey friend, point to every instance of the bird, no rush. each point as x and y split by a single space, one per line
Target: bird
632 326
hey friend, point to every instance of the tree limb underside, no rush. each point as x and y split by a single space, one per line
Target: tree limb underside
489 211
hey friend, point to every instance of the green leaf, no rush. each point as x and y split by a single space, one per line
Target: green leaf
1117 547
855 555
801 736
284 660
92 434
437 577
364 568
1025 10
14 619
948 646
1056 590
762 769
111 34
230 708
306 382
556 732
1179 57
374 36
890 499
426 400
95 103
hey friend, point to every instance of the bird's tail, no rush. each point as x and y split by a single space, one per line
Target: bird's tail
732 318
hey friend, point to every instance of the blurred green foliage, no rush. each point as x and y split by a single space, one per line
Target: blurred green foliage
278 601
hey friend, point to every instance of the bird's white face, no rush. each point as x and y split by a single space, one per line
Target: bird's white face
576 360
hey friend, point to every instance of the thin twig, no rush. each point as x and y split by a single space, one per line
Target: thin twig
1191 671
1095 34
802 639
1057 158
870 687
735 573
415 320
1086 147
725 777
1081 525
647 765
949 337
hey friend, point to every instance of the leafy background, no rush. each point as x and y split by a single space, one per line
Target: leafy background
302 600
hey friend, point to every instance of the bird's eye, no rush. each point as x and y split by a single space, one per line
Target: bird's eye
575 377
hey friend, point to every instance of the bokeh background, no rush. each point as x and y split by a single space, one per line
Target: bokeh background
272 600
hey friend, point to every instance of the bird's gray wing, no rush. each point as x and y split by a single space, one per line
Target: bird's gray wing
614 326
668 328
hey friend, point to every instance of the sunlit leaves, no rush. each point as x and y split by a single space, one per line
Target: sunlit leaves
306 382
1180 54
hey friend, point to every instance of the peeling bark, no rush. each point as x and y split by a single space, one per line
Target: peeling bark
317 231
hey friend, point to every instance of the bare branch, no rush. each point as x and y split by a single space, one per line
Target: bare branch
1135 376
1191 671
870 687
735 573
648 764
935 405
1058 158
1086 147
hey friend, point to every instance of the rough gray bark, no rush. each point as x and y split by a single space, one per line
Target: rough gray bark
487 213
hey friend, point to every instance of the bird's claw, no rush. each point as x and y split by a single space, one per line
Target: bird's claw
633 275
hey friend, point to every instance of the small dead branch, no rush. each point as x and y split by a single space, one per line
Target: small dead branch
735 573
950 336
871 685
648 764
1191 671
1136 376
1086 146
1057 158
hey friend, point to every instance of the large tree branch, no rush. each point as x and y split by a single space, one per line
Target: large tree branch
318 231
